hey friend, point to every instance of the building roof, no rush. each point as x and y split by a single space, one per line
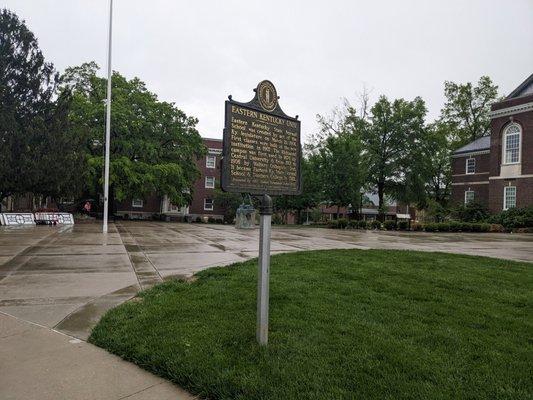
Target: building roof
483 143
524 89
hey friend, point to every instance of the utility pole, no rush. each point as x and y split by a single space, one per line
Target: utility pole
108 119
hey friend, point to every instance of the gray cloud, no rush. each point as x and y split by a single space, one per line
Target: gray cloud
315 52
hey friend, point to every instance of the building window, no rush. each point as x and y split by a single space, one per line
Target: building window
511 140
509 197
469 196
208 204
137 203
471 166
210 161
209 182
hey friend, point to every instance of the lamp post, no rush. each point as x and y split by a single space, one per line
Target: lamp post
108 119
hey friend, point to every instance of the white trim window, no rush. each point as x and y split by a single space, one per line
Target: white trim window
137 203
509 197
470 166
209 182
511 141
210 161
469 196
208 204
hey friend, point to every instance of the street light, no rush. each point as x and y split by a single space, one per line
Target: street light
108 119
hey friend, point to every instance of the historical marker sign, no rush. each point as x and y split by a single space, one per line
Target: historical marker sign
262 149
261 155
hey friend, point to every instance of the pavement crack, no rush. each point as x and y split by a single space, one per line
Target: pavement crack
139 391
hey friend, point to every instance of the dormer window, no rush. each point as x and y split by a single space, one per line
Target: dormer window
470 165
511 143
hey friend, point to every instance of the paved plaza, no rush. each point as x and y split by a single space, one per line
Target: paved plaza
56 282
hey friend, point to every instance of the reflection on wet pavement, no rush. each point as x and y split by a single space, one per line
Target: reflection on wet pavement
67 277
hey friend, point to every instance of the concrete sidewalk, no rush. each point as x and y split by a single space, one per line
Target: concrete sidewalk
37 363
57 282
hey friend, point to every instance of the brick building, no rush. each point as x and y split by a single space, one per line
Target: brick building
202 205
497 170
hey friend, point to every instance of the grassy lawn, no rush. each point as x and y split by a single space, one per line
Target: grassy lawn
345 324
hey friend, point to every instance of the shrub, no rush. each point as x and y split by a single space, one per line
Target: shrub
342 223
485 227
403 225
514 218
219 221
362 224
465 227
211 220
436 212
496 228
390 225
443 227
277 220
333 224
417 227
479 227
198 219
471 212
432 227
375 224
455 226
352 224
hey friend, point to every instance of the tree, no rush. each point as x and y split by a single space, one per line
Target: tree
229 202
154 145
437 166
342 169
390 143
467 109
311 189
36 153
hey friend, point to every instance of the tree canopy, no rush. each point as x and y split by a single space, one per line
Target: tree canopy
467 109
391 143
154 145
37 153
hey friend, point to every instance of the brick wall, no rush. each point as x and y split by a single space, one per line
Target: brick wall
498 125
463 181
200 192
481 193
524 193
524 185
151 205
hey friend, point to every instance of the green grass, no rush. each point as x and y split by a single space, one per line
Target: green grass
344 324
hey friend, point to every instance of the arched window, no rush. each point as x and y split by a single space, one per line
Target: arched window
511 143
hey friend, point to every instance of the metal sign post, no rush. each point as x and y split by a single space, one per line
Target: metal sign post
263 275
108 119
262 154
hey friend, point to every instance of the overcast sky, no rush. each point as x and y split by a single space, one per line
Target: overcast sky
195 53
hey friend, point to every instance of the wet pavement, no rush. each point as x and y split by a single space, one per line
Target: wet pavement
61 280
65 278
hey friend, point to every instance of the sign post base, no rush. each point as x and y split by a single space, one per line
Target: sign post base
263 275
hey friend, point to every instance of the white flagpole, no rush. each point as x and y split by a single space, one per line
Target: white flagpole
108 118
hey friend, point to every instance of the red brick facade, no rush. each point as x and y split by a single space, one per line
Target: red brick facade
201 193
477 182
494 170
139 208
209 167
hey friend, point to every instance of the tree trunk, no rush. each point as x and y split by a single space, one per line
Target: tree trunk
338 211
381 215
111 204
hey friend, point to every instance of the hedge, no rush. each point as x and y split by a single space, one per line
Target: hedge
452 226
